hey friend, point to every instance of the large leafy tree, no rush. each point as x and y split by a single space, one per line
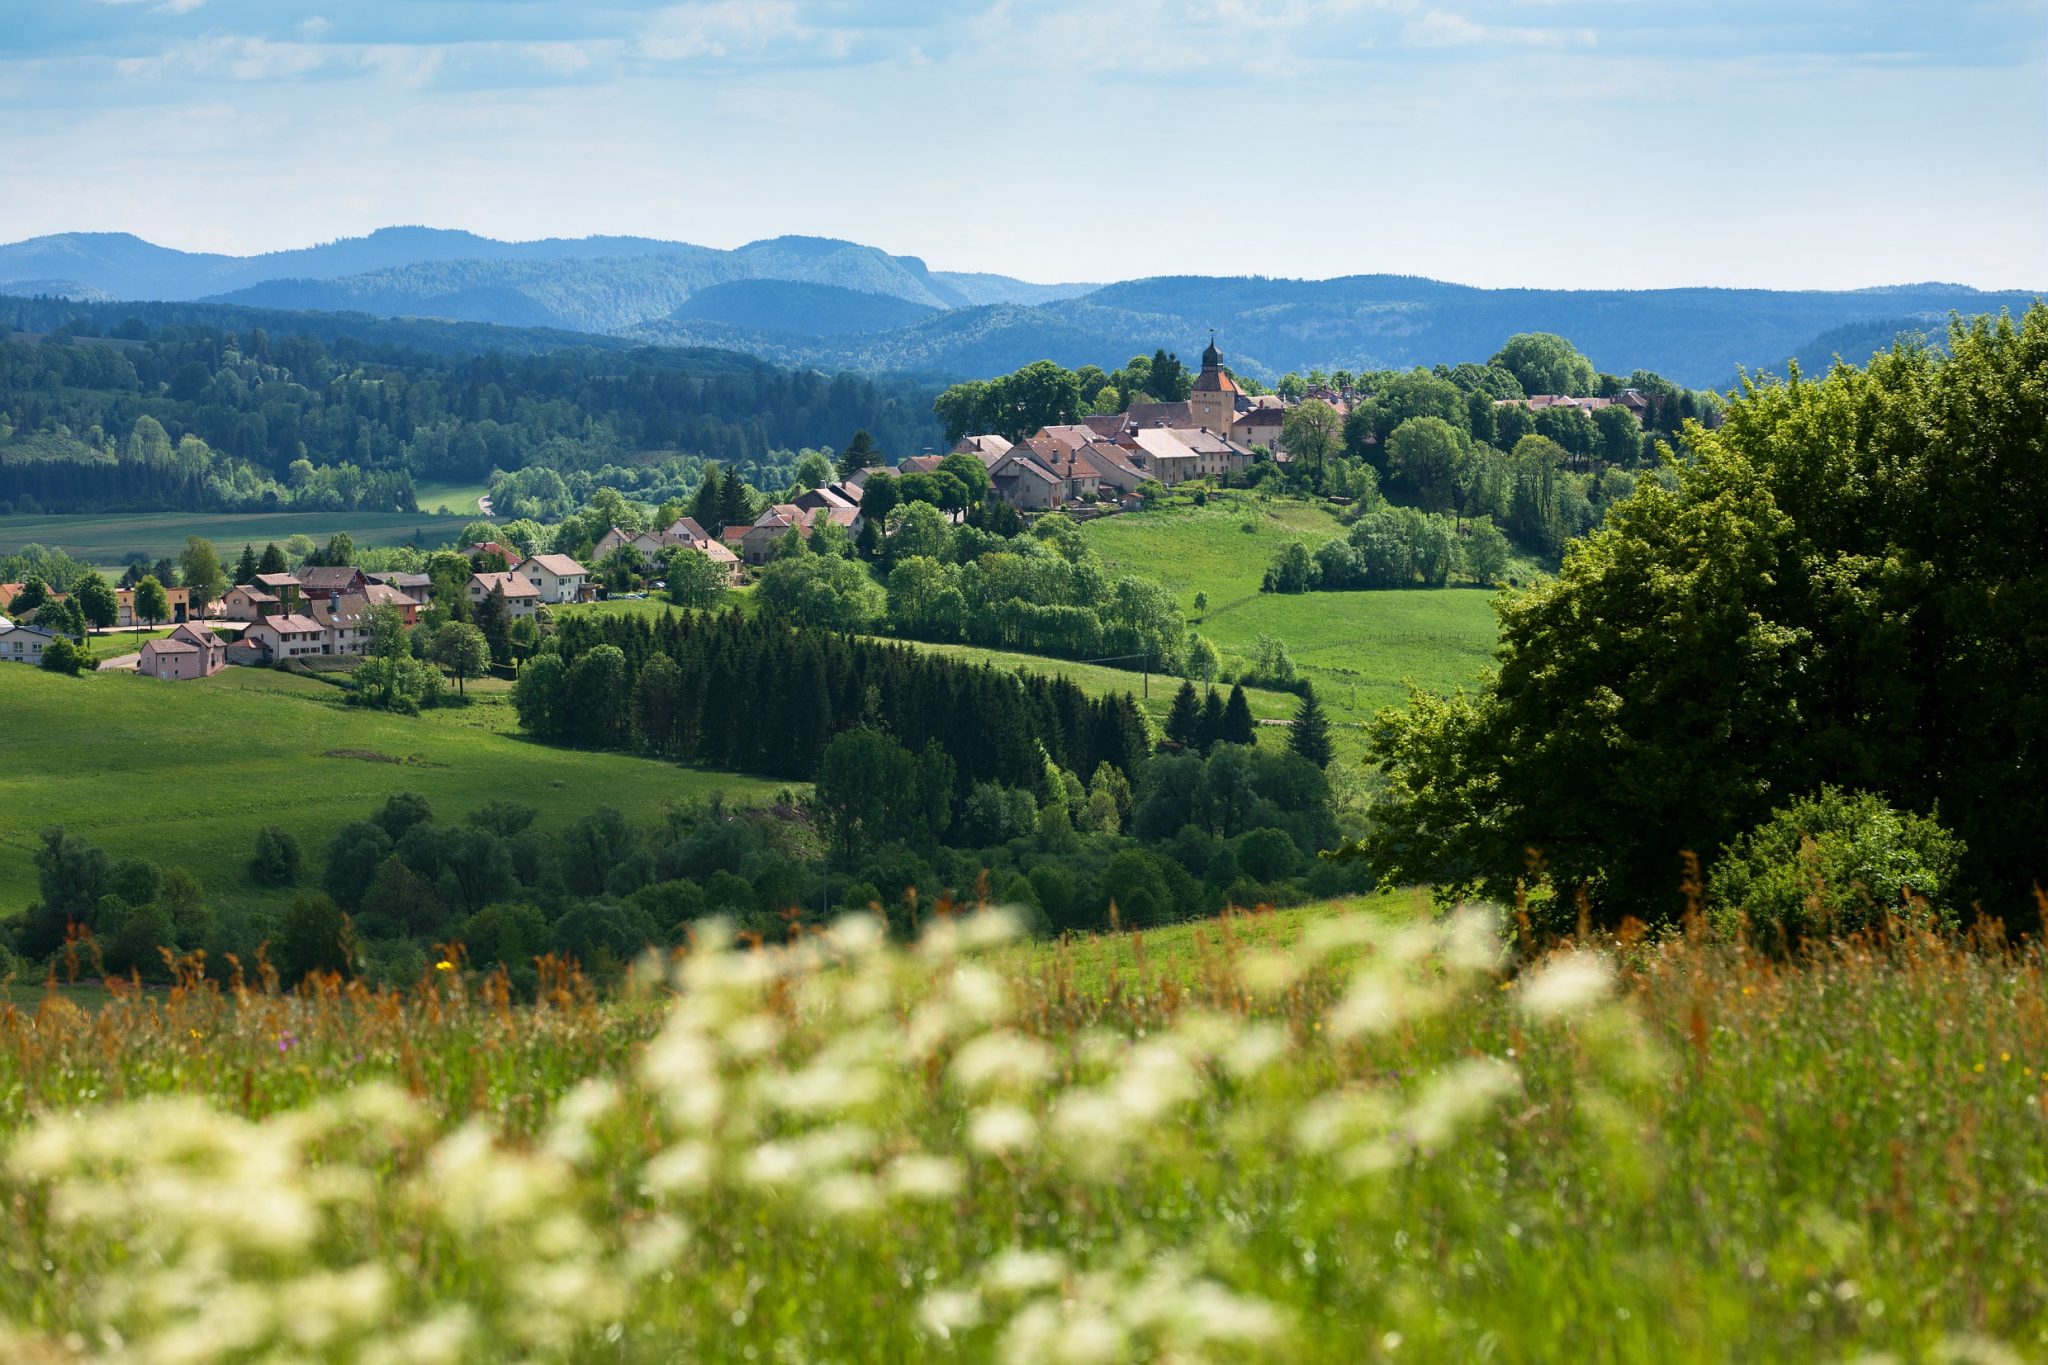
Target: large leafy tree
1311 433
1544 363
1845 586
199 565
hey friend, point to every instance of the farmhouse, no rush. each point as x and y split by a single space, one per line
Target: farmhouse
522 598
417 586
279 638
283 586
346 623
556 578
179 600
384 595
248 602
190 651
23 644
325 583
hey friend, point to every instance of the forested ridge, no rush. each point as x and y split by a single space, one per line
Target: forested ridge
197 416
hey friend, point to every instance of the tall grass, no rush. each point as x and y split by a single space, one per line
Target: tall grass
1358 1139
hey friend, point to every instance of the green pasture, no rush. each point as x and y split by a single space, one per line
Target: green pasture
459 498
185 773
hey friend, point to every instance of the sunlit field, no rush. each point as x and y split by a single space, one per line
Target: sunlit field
1346 1133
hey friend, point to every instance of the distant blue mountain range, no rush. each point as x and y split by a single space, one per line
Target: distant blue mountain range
835 304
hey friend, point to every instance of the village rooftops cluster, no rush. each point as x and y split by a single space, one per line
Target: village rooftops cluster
1106 457
1632 399
682 534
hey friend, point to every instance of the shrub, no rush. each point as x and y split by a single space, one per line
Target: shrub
1832 864
277 858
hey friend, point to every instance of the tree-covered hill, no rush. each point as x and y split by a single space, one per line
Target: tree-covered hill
201 407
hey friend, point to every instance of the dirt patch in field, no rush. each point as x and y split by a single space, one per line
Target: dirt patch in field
372 756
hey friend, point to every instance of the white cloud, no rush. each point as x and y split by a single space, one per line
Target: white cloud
721 29
1442 28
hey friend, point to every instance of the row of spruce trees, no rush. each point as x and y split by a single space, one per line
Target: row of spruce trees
760 696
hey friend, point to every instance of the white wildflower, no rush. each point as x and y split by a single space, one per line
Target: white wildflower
443 1339
1018 1272
1001 1129
1460 1095
979 995
478 1186
1255 1048
655 1245
327 1305
919 1176
1001 1059
787 1160
821 1088
1568 983
752 1035
568 1135
1341 1118
1382 998
1335 933
1472 941
1156 1077
683 1169
681 1065
946 1311
843 1193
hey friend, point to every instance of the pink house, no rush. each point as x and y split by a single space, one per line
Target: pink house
190 651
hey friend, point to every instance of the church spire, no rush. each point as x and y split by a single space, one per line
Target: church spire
1212 359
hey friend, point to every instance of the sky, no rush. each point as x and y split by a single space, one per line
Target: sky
1548 143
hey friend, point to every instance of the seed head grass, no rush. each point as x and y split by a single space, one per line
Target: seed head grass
1338 1135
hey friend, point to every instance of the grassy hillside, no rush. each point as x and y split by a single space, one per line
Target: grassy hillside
105 539
1359 648
185 773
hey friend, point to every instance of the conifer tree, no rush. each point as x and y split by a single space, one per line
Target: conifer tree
247 567
735 508
1210 729
1183 722
1238 727
707 508
273 560
494 619
860 453
1309 735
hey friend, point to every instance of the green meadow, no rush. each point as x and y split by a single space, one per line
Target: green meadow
459 498
184 774
107 539
1361 649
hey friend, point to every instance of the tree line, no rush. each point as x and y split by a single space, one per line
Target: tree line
762 696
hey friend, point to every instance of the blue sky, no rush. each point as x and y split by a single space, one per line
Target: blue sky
1579 143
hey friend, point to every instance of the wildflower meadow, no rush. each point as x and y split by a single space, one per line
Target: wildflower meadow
1334 1135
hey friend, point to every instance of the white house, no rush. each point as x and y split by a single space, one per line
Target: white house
557 578
23 644
521 596
286 637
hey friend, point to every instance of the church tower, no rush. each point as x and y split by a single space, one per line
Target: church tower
1214 401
